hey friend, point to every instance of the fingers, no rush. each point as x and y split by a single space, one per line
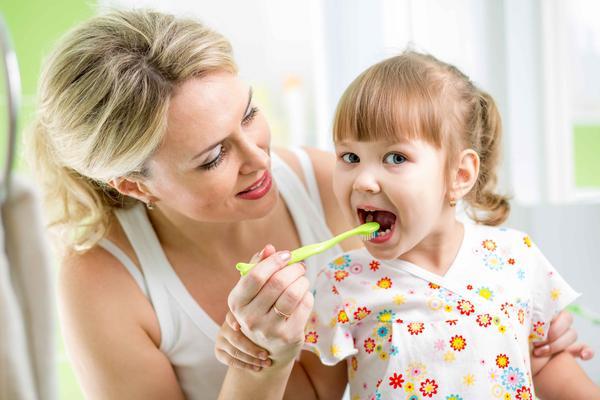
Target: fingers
292 296
581 350
563 342
232 322
225 358
559 326
240 347
251 284
279 285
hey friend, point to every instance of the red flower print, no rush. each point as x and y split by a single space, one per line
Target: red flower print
340 275
502 361
361 313
374 265
342 317
524 393
451 322
484 320
433 285
415 328
396 381
384 283
458 343
378 383
511 261
521 316
334 290
465 307
369 345
311 337
469 287
505 307
354 363
429 387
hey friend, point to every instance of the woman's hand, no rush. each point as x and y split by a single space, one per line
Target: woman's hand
561 337
234 349
272 304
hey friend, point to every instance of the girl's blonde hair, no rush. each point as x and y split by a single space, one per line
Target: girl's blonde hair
103 102
415 95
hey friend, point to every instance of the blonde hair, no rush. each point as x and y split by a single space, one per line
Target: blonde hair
103 102
415 95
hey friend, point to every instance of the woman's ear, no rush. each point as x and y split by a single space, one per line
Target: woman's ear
133 188
465 175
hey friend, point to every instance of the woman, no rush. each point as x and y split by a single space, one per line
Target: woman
157 170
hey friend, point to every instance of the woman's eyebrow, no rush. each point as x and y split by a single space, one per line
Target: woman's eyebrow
249 102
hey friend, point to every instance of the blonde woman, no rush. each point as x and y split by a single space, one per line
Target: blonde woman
158 177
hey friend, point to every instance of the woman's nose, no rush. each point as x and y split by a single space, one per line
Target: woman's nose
253 157
366 181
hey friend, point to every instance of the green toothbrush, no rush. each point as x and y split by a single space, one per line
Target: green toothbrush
368 231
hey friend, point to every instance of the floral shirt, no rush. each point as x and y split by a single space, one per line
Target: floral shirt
407 333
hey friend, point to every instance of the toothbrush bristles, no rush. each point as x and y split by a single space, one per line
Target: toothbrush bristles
370 236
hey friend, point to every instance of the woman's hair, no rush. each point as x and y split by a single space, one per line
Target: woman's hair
416 96
103 102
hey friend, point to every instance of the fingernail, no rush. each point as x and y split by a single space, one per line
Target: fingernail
266 363
260 253
256 368
262 355
236 326
285 256
585 354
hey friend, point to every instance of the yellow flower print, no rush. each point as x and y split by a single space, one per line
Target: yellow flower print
486 293
507 396
384 283
383 356
415 328
449 356
458 343
502 361
409 387
335 350
399 299
496 320
448 308
311 337
469 380
502 329
555 294
342 317
489 245
527 241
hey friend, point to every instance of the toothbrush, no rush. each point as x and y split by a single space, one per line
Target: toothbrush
368 231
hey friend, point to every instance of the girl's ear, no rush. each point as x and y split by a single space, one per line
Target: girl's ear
465 174
133 188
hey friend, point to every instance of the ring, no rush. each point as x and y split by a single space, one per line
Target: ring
281 313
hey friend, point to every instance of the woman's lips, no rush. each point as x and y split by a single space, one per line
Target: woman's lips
258 189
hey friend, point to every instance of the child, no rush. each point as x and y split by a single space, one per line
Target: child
432 308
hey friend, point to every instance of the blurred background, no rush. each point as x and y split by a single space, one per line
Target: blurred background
539 59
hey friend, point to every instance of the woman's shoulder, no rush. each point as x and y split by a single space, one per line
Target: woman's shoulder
95 288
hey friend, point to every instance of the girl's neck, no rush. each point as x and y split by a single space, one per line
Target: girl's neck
437 252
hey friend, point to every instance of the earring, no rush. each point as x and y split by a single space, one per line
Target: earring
150 205
452 202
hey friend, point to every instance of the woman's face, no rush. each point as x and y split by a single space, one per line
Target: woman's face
214 163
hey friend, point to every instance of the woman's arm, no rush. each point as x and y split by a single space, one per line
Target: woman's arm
111 332
563 379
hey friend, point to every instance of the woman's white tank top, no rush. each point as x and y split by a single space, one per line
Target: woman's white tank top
188 334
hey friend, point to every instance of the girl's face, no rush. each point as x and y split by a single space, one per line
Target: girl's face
214 163
401 185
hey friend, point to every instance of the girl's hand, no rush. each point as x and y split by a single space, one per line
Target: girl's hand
234 349
272 304
562 336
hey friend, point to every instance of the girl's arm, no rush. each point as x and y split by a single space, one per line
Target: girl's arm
563 379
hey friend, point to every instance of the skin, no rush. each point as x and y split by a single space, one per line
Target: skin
111 331
408 179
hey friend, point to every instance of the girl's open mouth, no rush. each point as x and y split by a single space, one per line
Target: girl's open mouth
385 219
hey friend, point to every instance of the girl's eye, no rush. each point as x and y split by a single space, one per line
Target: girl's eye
216 156
394 158
350 158
250 116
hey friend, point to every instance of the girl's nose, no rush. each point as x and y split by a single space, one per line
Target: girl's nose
367 182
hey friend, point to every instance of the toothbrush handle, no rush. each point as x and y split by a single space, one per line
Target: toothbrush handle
297 256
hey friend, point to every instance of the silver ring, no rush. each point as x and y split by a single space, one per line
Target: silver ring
281 313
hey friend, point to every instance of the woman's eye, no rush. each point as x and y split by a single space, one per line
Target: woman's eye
215 157
350 158
250 116
394 158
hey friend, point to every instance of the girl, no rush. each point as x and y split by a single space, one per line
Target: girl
432 308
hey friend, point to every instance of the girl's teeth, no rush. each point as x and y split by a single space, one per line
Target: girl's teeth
369 218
